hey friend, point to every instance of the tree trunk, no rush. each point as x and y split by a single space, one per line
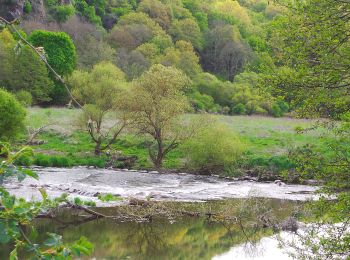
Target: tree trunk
159 160
98 148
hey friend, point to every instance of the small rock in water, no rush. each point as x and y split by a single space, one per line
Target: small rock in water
125 170
132 170
97 194
143 171
154 172
279 183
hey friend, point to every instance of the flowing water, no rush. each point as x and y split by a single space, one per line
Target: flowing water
183 238
86 183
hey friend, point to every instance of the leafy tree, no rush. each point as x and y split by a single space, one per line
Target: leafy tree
154 105
133 30
133 63
183 57
23 70
63 12
61 55
59 49
315 74
187 30
157 11
232 8
100 91
87 11
225 53
306 72
12 116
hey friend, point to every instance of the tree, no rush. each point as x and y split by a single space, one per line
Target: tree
60 54
155 103
133 30
132 63
187 30
100 91
23 70
12 116
225 53
157 11
312 48
313 60
183 57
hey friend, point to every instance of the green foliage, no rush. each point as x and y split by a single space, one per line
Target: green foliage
154 105
87 11
63 12
17 213
61 55
27 7
59 49
23 70
239 109
108 197
24 97
203 102
12 116
215 149
100 92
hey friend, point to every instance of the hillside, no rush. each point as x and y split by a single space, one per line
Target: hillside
220 45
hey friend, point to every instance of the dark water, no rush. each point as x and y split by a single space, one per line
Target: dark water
183 238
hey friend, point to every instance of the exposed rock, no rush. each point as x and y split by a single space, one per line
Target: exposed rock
290 224
249 178
11 10
137 202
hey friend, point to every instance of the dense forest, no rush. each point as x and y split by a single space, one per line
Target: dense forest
222 46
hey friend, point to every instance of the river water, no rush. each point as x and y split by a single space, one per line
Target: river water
184 238
86 183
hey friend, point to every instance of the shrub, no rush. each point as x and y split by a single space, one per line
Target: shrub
63 12
239 109
12 116
213 150
27 7
24 97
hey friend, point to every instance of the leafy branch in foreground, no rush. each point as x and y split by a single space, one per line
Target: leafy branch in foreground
16 215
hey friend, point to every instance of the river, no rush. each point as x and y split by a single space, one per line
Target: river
182 238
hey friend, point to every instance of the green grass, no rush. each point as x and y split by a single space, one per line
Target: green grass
267 140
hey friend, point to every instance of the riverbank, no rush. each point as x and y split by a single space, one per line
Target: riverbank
267 141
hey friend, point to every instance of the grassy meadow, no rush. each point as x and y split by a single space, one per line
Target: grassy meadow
267 141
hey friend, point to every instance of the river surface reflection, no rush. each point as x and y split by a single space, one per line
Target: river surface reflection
183 238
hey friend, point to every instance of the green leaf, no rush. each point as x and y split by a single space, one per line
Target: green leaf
54 240
13 254
43 194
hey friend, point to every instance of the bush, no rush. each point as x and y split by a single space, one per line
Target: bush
24 97
63 12
214 150
239 109
12 116
279 108
27 7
